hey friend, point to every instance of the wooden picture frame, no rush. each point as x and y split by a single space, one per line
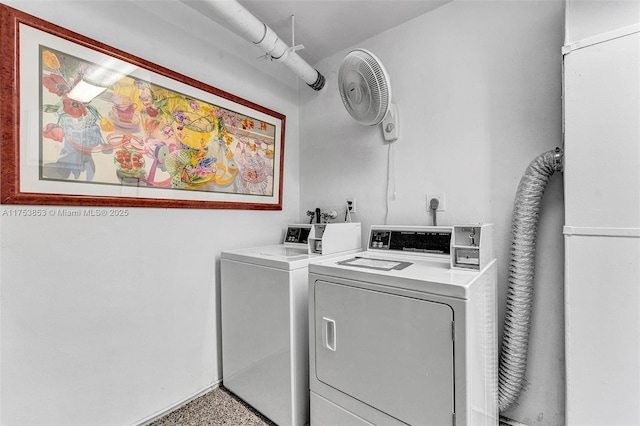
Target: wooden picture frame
85 124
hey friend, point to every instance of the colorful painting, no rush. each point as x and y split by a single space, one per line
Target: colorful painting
137 133
109 121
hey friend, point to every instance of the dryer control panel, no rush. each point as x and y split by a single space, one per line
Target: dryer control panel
465 246
426 240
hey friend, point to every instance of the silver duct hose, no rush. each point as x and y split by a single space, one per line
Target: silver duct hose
524 230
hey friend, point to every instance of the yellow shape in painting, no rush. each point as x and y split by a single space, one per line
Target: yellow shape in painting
193 130
50 60
106 125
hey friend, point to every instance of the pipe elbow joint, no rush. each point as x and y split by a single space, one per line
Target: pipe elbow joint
319 83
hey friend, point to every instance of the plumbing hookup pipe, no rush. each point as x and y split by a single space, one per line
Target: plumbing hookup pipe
524 229
259 33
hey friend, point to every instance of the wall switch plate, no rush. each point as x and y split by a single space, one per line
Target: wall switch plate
441 201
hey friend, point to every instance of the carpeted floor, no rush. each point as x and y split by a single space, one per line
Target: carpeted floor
221 407
218 407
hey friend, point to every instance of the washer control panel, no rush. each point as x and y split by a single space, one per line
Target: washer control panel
298 234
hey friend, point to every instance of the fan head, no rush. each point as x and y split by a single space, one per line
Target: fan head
364 87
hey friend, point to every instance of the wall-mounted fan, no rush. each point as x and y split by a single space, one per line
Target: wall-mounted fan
365 89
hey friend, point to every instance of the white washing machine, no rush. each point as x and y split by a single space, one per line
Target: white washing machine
264 310
405 332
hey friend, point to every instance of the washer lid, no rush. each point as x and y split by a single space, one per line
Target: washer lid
274 256
284 251
279 256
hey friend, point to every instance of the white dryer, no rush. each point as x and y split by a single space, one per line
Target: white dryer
264 317
405 332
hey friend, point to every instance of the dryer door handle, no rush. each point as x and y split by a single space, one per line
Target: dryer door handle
329 333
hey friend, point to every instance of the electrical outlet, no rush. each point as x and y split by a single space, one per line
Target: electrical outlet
351 203
441 201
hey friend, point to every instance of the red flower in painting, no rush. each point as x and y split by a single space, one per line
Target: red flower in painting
74 108
152 110
56 84
53 131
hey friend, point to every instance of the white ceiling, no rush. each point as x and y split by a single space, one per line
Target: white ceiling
326 27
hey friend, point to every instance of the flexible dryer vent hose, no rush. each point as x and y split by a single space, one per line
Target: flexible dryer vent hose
524 229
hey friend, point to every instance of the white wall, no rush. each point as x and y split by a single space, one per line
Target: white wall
587 18
109 321
478 87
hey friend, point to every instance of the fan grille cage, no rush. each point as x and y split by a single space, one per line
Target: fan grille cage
363 69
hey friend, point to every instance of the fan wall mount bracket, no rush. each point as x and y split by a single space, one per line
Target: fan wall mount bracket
390 124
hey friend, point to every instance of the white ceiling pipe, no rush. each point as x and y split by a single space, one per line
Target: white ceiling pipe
259 33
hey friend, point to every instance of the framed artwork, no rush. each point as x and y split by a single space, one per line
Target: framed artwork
87 124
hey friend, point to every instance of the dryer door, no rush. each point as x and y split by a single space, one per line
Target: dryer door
394 353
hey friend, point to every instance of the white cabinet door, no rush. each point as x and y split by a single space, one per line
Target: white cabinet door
602 330
391 352
602 134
